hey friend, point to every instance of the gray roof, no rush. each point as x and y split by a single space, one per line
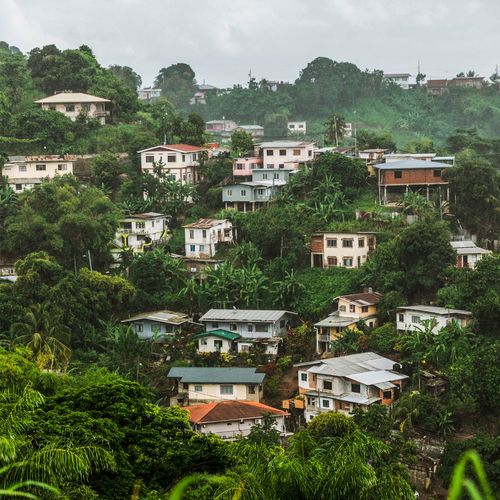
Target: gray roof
441 311
251 315
335 319
216 375
467 247
411 164
285 144
376 377
251 127
169 317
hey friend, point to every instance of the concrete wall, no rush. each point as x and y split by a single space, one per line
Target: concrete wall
93 110
411 321
236 428
205 241
208 344
273 157
244 166
212 392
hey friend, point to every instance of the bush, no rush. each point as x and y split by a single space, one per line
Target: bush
383 339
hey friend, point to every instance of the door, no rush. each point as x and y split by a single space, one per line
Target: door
218 345
317 260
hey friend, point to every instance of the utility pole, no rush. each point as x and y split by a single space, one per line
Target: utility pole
90 259
336 134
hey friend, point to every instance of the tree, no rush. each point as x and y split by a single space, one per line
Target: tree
276 125
265 433
368 139
127 75
241 143
105 171
331 424
335 129
177 83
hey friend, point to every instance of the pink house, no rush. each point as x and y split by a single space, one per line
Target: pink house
243 167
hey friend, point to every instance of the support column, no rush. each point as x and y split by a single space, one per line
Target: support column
385 195
427 192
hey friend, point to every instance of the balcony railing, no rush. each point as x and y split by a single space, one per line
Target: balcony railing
324 338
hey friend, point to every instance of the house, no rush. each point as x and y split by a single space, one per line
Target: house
148 94
72 104
232 419
202 385
297 128
390 157
250 195
222 127
467 82
468 253
401 79
252 326
243 167
347 382
160 325
409 318
7 269
437 87
286 154
350 310
138 232
199 267
348 129
180 161
341 150
203 90
25 172
398 177
256 131
202 237
372 156
342 249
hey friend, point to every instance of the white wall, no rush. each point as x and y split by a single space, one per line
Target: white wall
411 320
205 240
235 428
289 159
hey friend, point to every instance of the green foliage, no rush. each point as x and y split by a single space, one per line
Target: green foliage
265 433
241 143
368 139
331 424
375 421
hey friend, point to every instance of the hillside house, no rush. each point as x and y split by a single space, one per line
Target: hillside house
160 325
180 162
189 385
239 330
372 156
297 128
347 382
148 94
398 177
25 172
221 127
467 82
250 195
139 232
341 249
287 154
243 167
437 87
202 92
256 131
409 318
203 237
468 253
350 310
232 419
401 79
72 104
389 157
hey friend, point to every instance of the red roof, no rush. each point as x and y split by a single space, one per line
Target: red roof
222 411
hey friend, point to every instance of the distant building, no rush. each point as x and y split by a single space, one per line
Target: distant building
286 154
468 253
25 172
351 250
232 420
372 156
467 82
191 385
221 127
398 177
203 90
437 87
348 382
203 236
180 161
389 157
297 127
148 94
410 318
348 128
72 104
401 79
256 131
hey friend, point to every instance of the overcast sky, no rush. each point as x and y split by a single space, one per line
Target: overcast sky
223 39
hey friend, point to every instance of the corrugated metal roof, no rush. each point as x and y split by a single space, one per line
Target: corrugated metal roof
223 334
411 165
467 247
441 311
285 144
336 320
383 386
243 315
205 223
70 97
216 375
376 377
170 317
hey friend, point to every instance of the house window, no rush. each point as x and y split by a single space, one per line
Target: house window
342 308
62 166
327 385
296 152
356 388
202 248
243 192
226 389
361 242
387 394
198 388
415 319
183 157
185 386
264 177
204 233
191 234
332 261
23 168
282 323
139 327
347 243
261 192
192 248
303 377
70 108
233 327
282 152
401 318
140 225
171 158
398 174
291 126
311 401
230 192
204 342
352 308
276 175
270 152
347 261
251 389
309 153
215 324
262 327
150 159
437 173
331 243
301 126
41 168
325 403
364 309
19 187
281 165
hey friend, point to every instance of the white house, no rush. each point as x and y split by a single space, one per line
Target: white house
148 94
180 161
468 253
201 385
297 127
341 249
71 104
401 79
202 237
160 325
25 172
139 232
252 327
410 318
286 154
256 131
347 382
232 419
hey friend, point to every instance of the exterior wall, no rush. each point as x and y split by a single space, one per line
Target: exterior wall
202 243
265 175
349 310
221 126
134 237
72 110
147 329
259 330
323 255
244 166
232 429
211 344
412 176
297 127
469 261
272 157
407 320
271 348
183 167
212 392
245 193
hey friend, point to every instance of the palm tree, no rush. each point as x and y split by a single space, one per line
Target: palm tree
44 334
286 291
414 203
335 129
407 409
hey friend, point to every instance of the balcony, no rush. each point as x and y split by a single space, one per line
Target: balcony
324 338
